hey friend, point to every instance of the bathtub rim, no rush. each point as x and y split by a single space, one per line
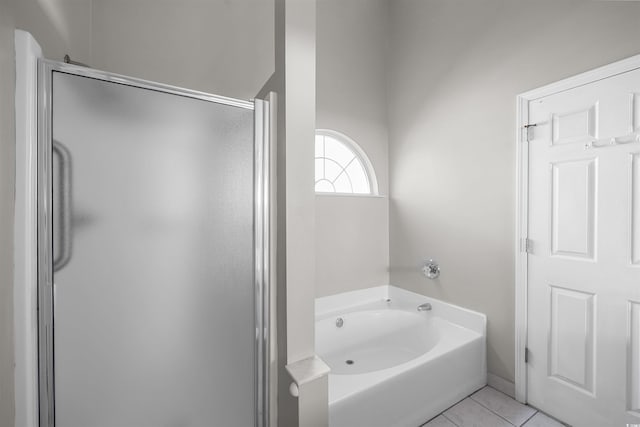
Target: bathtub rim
401 298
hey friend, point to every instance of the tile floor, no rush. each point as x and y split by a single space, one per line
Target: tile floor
491 408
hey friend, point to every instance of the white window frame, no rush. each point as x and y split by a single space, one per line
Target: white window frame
360 155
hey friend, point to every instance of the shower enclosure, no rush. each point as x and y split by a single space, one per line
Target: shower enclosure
153 261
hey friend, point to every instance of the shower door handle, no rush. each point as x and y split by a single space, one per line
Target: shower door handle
64 211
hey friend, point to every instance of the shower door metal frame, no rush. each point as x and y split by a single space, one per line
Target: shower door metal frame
263 257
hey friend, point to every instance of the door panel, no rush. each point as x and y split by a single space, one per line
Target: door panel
574 126
154 312
573 204
584 283
571 351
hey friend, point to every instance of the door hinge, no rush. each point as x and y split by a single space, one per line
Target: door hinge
526 245
526 355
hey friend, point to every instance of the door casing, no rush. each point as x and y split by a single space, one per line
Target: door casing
522 197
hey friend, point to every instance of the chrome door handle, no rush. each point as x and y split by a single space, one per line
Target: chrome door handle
61 259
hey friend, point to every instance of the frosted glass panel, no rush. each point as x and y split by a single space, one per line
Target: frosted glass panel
154 313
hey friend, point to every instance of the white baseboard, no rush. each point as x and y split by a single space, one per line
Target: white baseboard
500 384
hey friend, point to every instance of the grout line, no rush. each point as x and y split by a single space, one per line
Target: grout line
488 409
536 410
449 419
466 397
553 418
442 413
510 398
527 405
532 415
494 413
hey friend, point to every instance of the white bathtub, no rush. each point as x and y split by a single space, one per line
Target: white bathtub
392 365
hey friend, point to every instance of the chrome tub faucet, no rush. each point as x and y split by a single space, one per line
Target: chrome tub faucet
424 307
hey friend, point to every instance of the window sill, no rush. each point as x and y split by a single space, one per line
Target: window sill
356 195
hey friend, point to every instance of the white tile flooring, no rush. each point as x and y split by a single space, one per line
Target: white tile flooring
490 408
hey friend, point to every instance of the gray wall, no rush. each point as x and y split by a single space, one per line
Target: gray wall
222 47
60 26
7 154
352 233
456 67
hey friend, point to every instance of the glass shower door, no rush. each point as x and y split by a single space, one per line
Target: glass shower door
153 259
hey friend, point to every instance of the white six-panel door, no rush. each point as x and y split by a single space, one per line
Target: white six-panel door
584 260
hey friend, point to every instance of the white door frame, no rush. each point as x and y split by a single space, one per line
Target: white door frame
522 197
25 257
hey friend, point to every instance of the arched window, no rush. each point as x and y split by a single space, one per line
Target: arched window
342 166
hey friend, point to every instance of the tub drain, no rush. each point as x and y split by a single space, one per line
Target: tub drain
349 362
